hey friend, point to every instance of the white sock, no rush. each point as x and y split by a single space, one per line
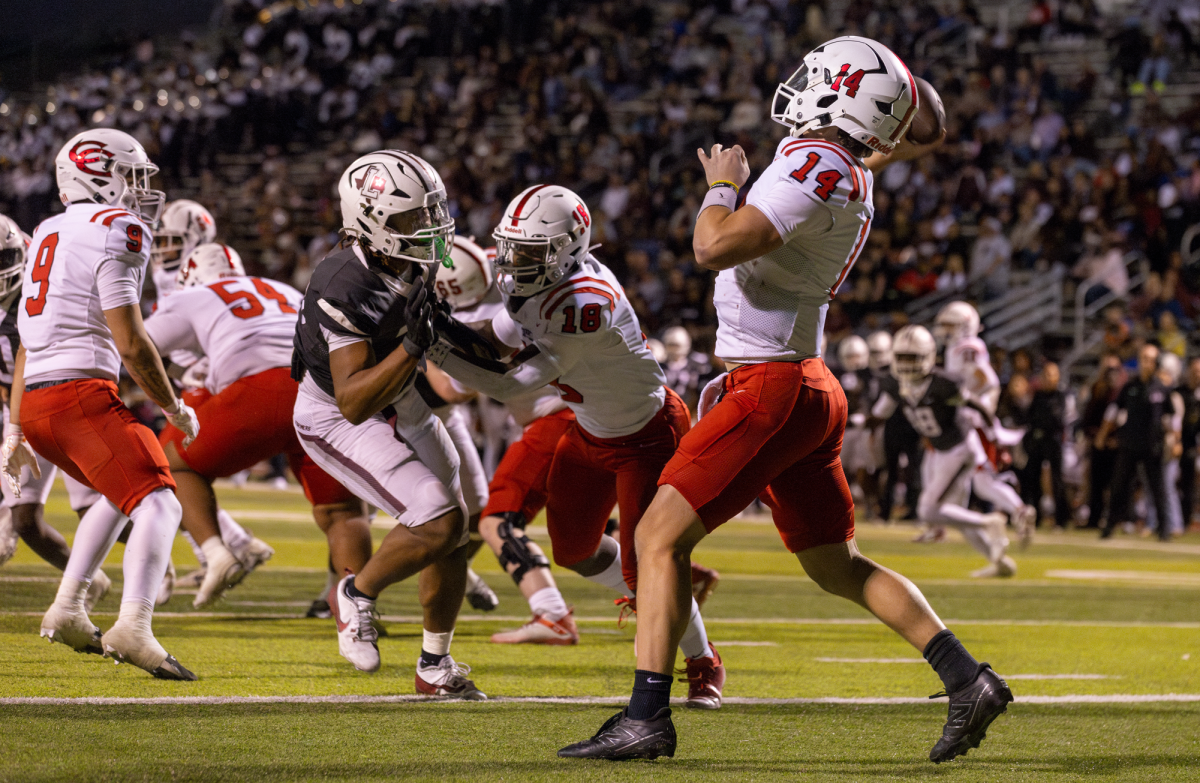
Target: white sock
549 603
95 536
612 576
234 535
71 592
196 550
155 523
436 643
694 643
137 613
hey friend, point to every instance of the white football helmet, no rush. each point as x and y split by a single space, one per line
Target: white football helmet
185 225
395 204
209 263
14 244
913 355
677 343
853 354
880 346
956 322
106 166
1170 366
544 233
467 280
851 83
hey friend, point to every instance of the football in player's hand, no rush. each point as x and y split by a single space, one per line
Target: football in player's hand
927 126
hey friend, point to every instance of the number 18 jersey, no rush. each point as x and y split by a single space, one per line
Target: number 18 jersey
244 325
818 197
61 315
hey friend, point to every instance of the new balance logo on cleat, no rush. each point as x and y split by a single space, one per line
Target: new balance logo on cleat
622 738
972 710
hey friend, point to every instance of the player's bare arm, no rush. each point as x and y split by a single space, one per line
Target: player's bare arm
905 150
364 385
444 386
725 237
139 355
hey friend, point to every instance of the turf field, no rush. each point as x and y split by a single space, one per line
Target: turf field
1100 643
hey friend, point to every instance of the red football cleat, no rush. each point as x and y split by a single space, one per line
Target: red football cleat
705 679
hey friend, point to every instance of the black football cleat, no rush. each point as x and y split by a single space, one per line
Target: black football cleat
972 710
622 738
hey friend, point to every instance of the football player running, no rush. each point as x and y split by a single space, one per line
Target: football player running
942 413
244 326
517 491
23 514
79 322
365 323
956 329
776 431
585 341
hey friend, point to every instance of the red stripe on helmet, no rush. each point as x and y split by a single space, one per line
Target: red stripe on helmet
912 85
524 200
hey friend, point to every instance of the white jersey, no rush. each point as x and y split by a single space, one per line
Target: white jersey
534 404
61 318
818 197
590 349
967 363
244 325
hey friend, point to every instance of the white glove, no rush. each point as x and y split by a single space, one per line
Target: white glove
711 395
195 376
184 418
16 455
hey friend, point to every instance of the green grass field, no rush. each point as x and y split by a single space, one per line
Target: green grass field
1093 639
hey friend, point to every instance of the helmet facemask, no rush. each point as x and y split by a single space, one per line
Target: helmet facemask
167 250
12 266
423 235
139 197
526 266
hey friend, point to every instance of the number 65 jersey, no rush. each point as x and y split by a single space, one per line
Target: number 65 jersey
87 260
818 197
244 325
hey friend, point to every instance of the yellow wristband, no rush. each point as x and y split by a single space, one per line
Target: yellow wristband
715 183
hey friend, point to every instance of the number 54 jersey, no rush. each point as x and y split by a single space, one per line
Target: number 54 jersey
244 325
818 197
87 260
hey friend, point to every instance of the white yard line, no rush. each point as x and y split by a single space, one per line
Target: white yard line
1173 579
101 701
869 660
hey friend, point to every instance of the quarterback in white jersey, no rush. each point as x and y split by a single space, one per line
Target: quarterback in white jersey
244 326
80 321
773 425
584 340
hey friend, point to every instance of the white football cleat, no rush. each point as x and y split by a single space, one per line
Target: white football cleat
224 571
932 534
542 630
167 588
125 643
254 554
71 626
357 636
1004 567
1024 523
96 590
447 679
479 595
191 580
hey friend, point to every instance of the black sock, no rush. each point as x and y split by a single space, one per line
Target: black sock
651 692
429 659
950 660
354 592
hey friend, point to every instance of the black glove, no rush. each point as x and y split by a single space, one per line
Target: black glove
418 313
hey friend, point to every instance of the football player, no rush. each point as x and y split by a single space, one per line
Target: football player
893 433
937 408
244 326
776 427
22 516
185 225
855 378
365 323
79 322
585 341
956 329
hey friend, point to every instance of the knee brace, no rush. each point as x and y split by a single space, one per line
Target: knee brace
515 551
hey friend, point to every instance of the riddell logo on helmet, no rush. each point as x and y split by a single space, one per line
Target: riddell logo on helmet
91 153
878 145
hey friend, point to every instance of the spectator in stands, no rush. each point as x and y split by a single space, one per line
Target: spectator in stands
991 258
1154 68
1170 338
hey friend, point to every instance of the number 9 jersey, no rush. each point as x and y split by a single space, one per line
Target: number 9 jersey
818 197
87 260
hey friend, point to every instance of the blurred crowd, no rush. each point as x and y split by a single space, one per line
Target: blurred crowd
256 117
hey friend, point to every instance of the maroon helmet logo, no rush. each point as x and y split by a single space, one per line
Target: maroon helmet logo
373 183
87 154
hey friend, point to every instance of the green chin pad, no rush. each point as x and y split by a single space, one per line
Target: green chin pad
441 251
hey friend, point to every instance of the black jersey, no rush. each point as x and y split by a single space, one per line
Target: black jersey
935 415
1191 417
855 384
348 300
10 340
